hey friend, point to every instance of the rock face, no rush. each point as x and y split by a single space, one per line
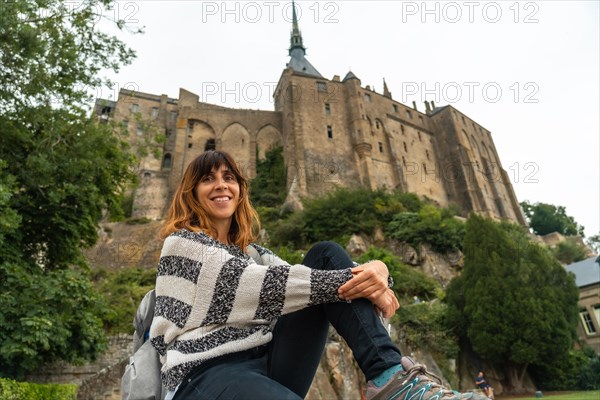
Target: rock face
338 375
441 267
123 245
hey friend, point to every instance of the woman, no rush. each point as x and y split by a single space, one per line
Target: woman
233 321
484 385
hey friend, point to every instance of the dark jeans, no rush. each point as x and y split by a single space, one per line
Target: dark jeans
285 368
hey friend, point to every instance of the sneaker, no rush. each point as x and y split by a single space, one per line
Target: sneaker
416 383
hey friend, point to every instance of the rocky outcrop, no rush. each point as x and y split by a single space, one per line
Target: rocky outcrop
441 267
126 245
338 375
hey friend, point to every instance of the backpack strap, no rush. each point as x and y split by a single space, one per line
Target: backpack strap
143 319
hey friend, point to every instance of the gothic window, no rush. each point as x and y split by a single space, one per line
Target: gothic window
408 114
463 120
380 147
367 97
327 109
402 129
329 132
154 112
395 108
135 108
377 124
210 145
405 148
167 161
322 86
419 134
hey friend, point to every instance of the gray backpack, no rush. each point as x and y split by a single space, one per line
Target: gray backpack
141 380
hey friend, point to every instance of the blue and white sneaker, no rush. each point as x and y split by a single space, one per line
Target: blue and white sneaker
416 383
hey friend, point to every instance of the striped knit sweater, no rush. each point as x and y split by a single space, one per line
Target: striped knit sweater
213 299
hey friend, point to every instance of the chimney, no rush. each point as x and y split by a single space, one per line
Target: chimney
427 108
415 105
432 105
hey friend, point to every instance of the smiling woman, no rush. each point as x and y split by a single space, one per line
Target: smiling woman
226 307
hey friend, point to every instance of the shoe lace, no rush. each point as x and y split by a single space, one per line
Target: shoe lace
434 382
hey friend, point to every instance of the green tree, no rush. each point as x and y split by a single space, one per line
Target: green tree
59 173
547 218
594 243
514 302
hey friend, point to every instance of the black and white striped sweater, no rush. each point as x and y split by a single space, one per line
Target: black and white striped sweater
213 299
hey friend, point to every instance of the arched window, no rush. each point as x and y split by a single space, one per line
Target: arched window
167 161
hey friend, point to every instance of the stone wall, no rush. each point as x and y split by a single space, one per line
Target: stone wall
95 379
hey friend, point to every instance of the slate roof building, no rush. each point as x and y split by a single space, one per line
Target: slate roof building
587 278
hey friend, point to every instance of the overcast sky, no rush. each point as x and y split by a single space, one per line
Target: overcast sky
526 71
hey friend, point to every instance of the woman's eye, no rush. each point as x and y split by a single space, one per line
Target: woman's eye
207 178
229 178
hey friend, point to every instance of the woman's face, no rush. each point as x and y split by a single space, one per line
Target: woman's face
219 194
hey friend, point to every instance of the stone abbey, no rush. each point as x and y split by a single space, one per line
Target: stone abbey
334 132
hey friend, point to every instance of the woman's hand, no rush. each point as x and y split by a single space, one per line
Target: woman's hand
387 304
370 281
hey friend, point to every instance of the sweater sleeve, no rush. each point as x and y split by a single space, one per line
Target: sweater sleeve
201 284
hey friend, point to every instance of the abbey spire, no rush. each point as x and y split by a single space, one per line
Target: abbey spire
296 38
297 51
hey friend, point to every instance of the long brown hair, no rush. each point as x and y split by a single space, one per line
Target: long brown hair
186 212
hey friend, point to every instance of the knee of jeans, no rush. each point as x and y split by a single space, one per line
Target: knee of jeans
325 248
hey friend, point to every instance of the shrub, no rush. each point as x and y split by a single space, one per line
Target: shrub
576 370
569 251
289 255
431 225
340 213
12 390
423 325
287 232
268 188
123 290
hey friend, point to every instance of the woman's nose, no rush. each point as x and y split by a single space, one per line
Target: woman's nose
221 184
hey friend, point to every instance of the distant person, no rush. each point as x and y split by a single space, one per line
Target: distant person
484 385
234 321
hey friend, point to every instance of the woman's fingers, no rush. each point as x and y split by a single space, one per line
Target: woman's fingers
362 285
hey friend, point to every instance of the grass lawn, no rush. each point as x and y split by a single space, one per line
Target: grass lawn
592 395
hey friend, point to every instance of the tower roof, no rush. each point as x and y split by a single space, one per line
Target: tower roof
297 51
349 75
